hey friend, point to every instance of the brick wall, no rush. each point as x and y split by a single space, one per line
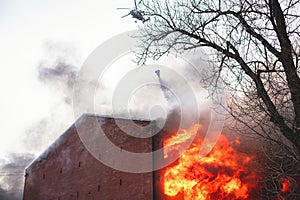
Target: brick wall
68 171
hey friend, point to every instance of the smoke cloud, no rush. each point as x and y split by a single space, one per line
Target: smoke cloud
57 73
12 175
60 75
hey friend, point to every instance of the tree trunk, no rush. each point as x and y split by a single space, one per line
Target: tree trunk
286 59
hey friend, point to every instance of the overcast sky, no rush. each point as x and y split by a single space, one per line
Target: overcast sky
28 30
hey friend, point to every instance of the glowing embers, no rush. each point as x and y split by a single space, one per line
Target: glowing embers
286 185
222 174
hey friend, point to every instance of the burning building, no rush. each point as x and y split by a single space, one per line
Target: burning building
68 170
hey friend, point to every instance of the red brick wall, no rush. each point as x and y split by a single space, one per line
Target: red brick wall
69 171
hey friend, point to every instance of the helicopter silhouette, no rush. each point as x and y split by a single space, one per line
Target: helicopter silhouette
135 13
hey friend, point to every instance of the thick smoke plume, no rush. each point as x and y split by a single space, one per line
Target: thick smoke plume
56 73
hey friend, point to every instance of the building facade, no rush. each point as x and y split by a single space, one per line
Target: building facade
67 170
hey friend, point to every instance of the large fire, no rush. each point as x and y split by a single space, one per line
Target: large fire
222 174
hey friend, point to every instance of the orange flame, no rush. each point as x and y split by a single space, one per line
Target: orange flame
286 185
222 174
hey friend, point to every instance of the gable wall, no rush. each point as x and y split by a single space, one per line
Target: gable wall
70 172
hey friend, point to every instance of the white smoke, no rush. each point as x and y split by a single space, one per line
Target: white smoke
12 175
58 71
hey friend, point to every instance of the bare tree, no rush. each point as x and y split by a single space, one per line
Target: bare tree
255 49
255 44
